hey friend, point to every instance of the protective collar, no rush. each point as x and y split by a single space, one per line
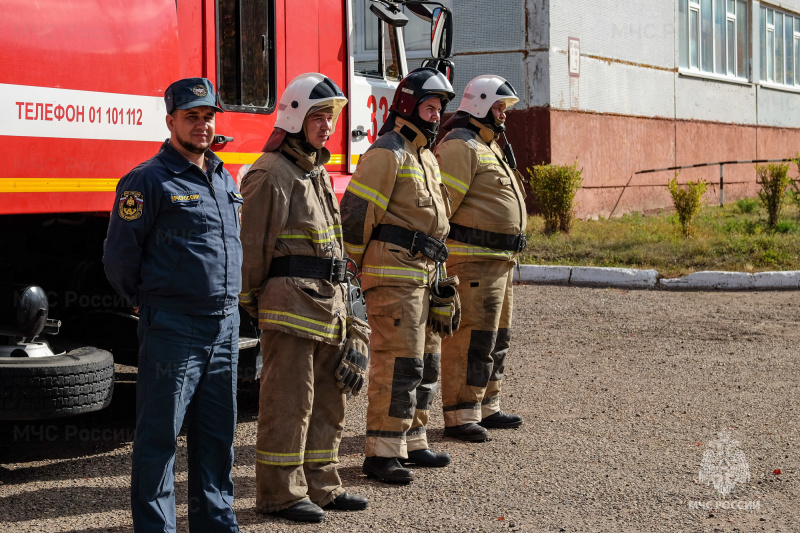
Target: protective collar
487 133
490 122
293 150
410 132
429 129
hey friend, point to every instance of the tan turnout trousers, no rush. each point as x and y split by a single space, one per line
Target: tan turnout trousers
473 358
404 370
300 422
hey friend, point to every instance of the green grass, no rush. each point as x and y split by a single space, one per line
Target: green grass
734 238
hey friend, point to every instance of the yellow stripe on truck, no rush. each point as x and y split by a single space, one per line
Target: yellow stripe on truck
244 158
27 185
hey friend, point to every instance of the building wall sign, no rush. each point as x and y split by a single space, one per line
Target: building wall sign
574 51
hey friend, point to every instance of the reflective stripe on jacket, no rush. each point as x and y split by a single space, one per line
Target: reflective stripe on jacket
292 211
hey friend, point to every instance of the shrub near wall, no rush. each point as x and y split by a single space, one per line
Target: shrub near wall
553 188
687 201
774 181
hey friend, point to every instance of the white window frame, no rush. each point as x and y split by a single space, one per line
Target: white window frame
770 35
730 18
362 53
696 69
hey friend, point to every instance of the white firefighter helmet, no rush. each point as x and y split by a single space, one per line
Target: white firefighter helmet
483 92
304 93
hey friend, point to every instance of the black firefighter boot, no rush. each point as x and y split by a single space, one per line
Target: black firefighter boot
427 458
302 511
387 469
501 420
470 432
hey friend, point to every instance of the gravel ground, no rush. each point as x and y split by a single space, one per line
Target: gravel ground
621 393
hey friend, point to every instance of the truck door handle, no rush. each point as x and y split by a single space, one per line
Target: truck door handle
219 142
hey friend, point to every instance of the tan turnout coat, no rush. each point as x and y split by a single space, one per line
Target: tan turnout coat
486 193
290 209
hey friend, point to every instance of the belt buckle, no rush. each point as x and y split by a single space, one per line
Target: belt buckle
442 253
332 269
414 242
522 241
338 272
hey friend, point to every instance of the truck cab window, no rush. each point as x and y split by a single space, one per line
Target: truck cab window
245 55
375 50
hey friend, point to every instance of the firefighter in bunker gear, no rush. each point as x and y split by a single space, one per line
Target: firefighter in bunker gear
294 277
394 224
487 232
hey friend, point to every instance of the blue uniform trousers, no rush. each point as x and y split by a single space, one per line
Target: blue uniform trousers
187 367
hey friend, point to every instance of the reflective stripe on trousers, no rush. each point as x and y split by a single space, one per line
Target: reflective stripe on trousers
300 422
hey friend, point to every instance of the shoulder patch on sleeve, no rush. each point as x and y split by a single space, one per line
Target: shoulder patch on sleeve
131 205
391 141
463 134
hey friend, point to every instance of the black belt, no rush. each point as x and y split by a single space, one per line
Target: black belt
304 266
488 239
413 241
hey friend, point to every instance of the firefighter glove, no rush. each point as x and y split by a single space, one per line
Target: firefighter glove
444 315
355 356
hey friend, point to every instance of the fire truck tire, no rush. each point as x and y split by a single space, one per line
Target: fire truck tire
80 380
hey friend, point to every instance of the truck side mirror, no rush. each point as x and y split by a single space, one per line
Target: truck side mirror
389 13
445 66
421 10
441 33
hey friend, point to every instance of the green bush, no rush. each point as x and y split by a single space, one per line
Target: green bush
774 181
786 226
687 201
747 205
794 194
553 187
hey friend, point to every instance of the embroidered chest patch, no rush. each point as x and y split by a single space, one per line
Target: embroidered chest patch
131 205
185 198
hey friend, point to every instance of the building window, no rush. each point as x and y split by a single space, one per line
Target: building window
245 55
780 46
713 36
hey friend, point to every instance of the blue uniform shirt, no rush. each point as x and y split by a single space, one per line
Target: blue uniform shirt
173 238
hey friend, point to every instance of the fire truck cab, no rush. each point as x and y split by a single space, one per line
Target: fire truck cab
81 103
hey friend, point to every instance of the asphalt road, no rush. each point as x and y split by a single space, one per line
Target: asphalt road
623 392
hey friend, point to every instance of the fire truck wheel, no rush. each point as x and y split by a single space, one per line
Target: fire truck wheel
79 380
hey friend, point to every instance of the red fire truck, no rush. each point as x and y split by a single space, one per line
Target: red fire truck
81 103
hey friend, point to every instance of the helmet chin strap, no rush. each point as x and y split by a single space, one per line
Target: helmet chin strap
491 121
429 129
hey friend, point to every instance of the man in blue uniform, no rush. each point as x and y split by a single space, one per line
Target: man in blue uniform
173 251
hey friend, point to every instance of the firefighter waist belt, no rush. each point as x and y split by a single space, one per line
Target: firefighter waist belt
303 266
488 239
413 241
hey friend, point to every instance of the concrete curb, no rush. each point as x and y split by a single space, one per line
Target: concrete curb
631 278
